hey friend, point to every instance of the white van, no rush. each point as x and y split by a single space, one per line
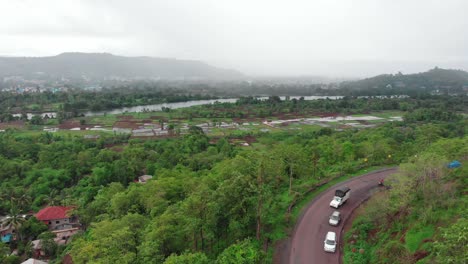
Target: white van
329 245
341 196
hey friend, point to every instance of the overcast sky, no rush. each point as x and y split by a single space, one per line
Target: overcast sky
258 37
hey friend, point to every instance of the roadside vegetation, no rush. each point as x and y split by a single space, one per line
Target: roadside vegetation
422 217
210 201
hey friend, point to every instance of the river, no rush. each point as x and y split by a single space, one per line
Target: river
158 107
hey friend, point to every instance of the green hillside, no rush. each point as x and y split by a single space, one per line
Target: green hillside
444 80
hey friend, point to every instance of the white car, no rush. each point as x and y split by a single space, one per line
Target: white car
335 218
330 242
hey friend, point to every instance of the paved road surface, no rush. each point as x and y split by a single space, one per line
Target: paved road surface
306 245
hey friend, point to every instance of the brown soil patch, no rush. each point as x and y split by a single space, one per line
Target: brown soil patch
127 124
250 139
67 259
213 141
403 237
13 124
69 124
117 149
426 240
420 254
159 118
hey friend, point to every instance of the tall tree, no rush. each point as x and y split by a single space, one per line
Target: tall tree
15 219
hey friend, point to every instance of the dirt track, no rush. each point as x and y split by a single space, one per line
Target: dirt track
306 244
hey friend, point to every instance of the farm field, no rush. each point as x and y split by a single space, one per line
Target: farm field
163 124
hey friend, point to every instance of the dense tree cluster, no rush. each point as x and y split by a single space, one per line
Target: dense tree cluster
420 108
207 202
76 100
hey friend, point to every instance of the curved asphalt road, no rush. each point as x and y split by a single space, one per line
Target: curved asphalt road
306 245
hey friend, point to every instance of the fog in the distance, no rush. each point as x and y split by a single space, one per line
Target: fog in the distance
262 37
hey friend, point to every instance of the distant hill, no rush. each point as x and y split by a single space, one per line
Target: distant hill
437 78
104 65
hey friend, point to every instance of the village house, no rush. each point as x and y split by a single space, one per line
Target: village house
37 249
6 233
33 261
60 222
144 178
57 217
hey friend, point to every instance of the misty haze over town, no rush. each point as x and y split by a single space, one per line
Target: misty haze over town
267 38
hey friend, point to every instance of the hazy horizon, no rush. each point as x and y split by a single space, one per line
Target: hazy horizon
335 39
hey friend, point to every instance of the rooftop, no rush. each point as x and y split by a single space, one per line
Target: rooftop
53 212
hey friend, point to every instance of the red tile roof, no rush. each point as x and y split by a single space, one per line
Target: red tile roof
53 212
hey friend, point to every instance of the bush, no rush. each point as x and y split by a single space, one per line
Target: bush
245 252
394 252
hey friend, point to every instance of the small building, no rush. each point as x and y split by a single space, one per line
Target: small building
7 231
33 261
37 248
7 235
143 132
62 236
58 217
91 136
144 178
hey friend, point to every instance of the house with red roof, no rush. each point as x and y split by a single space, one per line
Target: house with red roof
60 221
57 217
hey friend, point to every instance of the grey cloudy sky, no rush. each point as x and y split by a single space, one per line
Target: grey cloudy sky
259 37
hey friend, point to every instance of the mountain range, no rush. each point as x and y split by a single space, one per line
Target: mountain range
104 65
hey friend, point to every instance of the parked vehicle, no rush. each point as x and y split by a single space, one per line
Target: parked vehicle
329 245
381 182
341 196
335 218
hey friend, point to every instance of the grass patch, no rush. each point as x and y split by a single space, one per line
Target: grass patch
33 107
387 114
107 120
415 236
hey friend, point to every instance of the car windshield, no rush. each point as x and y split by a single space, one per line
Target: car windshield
334 217
338 199
330 242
